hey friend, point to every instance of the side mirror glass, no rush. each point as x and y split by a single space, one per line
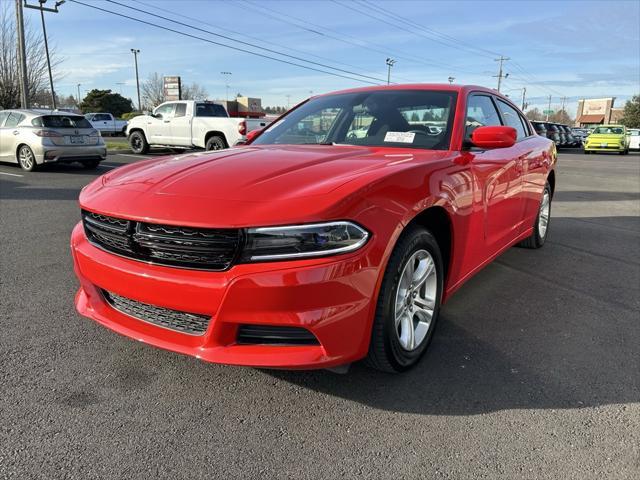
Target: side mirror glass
494 137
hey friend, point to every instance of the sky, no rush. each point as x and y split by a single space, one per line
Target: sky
572 49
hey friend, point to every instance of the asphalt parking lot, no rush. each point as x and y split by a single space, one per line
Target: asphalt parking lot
534 371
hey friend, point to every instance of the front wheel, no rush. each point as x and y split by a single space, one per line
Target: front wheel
541 227
138 143
26 158
408 303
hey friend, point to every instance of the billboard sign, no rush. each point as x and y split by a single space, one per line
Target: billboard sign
172 88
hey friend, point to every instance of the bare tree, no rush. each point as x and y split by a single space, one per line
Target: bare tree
152 91
37 75
194 91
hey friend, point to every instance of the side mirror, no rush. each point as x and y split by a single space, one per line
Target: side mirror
157 115
252 135
494 137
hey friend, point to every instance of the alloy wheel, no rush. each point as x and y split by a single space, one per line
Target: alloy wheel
26 158
415 300
543 217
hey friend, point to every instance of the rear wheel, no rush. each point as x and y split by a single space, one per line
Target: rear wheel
541 227
138 143
408 303
215 143
26 158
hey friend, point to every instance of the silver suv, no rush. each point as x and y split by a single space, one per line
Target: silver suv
32 137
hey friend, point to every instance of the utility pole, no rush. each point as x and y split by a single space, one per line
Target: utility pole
524 93
564 99
390 63
226 76
79 94
548 109
22 55
288 101
43 9
500 75
135 59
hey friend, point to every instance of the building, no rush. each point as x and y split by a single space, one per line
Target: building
596 111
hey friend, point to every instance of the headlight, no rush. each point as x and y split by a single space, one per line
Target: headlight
301 241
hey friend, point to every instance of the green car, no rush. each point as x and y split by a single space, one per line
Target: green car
608 138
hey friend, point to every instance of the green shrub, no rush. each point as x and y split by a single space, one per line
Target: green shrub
130 115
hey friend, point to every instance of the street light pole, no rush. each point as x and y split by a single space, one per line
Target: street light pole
79 94
43 9
390 63
226 76
451 79
135 59
22 55
548 109
524 93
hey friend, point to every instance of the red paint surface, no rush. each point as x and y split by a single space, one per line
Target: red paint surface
491 198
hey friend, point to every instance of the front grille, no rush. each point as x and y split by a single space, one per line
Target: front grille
183 322
273 335
201 248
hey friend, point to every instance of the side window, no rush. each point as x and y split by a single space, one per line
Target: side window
14 119
512 119
481 112
165 110
181 110
3 117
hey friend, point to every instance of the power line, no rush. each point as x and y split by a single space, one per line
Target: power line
444 36
242 42
261 55
325 32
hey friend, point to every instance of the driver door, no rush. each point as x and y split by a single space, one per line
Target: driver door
498 174
159 126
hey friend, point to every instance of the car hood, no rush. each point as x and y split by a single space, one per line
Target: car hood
230 186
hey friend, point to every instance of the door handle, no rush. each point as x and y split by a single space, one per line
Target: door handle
16 132
167 121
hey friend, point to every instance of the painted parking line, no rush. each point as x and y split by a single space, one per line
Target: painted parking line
11 174
129 155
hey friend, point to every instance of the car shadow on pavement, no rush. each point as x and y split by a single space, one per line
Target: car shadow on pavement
12 190
552 328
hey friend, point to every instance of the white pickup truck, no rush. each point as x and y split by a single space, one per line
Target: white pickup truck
106 123
188 124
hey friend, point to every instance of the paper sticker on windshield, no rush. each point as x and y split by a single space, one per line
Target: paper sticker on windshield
399 137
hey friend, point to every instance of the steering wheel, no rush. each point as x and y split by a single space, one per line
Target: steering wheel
421 132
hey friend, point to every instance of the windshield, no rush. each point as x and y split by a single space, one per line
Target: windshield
210 110
61 121
390 118
609 130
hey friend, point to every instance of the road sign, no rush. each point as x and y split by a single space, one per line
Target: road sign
548 112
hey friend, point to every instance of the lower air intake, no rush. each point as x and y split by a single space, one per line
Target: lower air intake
183 322
271 335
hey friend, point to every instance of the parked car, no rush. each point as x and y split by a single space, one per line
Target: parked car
564 141
634 138
608 138
553 133
570 139
34 137
580 134
188 124
106 123
309 249
540 128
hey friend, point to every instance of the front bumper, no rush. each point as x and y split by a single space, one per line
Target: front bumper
69 153
332 298
604 147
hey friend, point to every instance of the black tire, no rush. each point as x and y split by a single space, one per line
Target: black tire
26 158
385 350
586 152
138 143
90 164
215 142
537 239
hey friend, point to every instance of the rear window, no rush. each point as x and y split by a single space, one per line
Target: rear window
61 121
210 110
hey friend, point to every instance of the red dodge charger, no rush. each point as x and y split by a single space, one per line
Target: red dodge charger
333 235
